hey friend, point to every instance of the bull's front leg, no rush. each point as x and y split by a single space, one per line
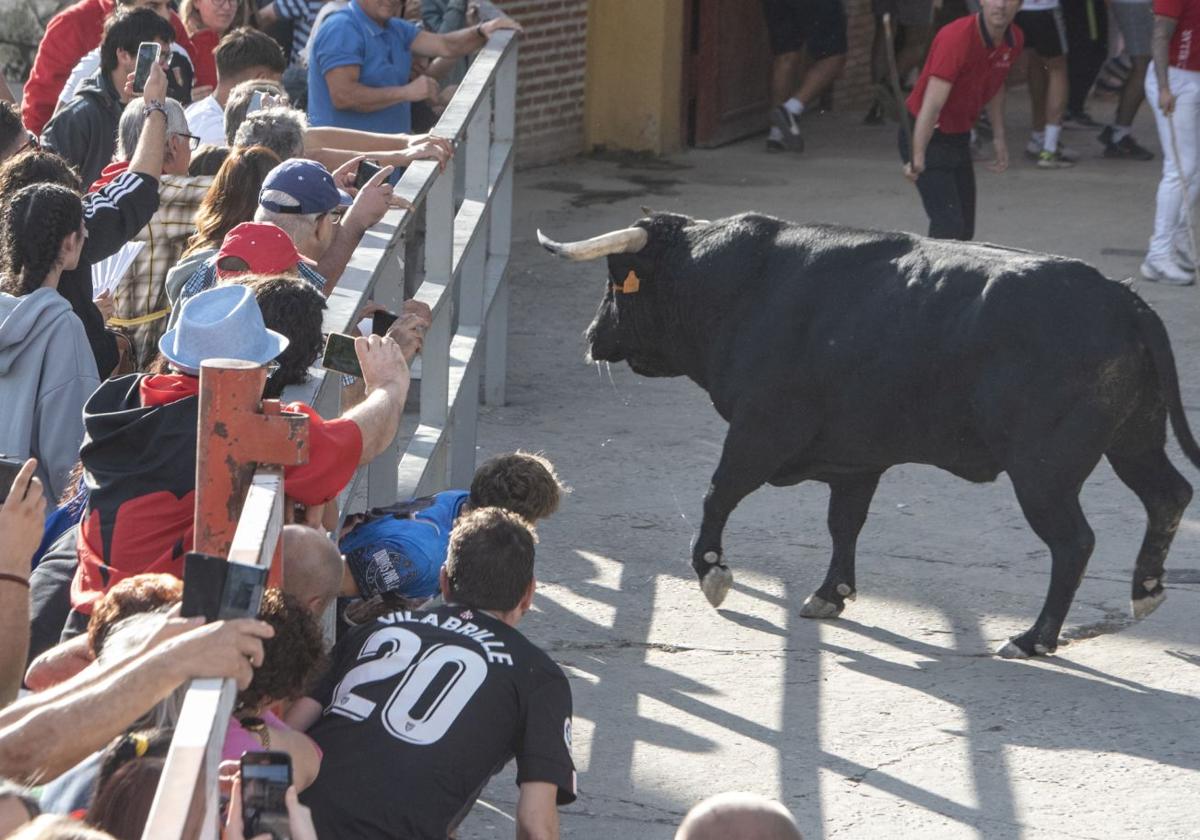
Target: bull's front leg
752 454
849 500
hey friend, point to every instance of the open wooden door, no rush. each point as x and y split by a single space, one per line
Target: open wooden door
727 78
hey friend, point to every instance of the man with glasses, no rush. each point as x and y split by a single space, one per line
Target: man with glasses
84 132
140 300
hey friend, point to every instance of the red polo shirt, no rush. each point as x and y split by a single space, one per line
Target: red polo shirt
1185 43
964 55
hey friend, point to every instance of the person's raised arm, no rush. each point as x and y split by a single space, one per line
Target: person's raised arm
1160 48
537 811
386 377
52 737
936 94
461 42
374 200
148 156
21 520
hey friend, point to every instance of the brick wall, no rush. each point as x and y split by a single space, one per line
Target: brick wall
550 78
853 90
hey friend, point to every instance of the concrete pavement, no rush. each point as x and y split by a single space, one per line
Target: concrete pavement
895 720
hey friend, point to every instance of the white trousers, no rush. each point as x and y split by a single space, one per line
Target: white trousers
1170 218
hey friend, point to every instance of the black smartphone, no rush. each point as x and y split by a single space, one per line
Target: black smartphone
203 585
266 776
340 355
366 171
147 54
9 467
242 595
382 321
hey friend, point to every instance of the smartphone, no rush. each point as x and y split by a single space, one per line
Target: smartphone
266 776
340 355
382 321
9 467
147 55
366 171
242 594
203 585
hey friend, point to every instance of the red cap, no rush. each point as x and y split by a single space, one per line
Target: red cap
265 247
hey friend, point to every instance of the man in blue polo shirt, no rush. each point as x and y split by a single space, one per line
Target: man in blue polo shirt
360 62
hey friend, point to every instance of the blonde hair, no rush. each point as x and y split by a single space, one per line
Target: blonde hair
190 16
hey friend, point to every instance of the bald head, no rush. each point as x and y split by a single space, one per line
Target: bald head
312 567
738 816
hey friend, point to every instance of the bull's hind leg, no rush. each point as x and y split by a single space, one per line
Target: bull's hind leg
1165 494
1055 516
849 500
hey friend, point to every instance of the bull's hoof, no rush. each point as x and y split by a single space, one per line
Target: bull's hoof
1142 607
1010 650
815 606
716 584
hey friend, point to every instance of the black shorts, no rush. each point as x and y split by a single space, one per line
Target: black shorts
819 25
1045 32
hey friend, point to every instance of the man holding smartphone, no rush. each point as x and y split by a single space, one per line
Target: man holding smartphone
396 765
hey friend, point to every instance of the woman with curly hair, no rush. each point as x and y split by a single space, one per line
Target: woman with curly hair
292 659
47 370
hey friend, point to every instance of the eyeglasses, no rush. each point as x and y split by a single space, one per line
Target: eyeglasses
193 140
229 4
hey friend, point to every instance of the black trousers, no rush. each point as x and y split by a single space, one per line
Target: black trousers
1086 22
947 186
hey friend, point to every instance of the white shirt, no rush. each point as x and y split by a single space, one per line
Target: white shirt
206 120
88 65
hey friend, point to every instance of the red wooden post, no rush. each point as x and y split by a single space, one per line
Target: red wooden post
238 430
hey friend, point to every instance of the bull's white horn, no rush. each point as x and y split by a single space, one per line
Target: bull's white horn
627 241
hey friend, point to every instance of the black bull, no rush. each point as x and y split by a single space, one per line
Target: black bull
836 353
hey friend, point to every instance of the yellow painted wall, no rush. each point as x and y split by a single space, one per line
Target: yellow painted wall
634 74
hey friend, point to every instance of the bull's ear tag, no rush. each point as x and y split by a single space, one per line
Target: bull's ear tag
632 283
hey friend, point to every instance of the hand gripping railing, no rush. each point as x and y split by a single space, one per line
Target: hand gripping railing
450 251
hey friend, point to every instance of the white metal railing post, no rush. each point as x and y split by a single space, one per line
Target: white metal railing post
435 354
381 472
500 230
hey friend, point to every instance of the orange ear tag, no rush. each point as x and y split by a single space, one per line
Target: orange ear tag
632 283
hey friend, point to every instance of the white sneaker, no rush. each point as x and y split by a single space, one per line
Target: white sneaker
1183 259
1166 272
1033 150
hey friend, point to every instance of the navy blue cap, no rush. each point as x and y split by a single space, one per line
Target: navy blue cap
299 186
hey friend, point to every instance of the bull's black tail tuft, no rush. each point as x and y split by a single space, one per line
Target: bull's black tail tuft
1154 334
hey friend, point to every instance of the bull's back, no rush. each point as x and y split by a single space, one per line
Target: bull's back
915 350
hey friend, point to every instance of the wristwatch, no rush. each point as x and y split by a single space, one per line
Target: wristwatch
152 106
259 727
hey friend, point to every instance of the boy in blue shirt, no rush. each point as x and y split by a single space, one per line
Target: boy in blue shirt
399 551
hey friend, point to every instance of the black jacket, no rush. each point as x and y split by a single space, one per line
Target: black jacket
85 130
113 216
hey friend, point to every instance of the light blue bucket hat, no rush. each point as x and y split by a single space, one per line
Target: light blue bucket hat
221 323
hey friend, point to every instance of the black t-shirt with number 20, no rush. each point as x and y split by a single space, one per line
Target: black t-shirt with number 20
421 709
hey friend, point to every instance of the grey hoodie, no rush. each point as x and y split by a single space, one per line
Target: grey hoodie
47 372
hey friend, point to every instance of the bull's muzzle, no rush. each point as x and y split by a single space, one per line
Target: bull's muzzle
626 241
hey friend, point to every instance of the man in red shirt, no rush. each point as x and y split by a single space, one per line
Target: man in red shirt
966 69
139 450
70 35
1173 90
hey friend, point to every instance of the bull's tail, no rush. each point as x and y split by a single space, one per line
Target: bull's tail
1154 334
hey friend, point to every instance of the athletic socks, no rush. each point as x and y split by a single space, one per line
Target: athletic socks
794 106
1120 132
1050 143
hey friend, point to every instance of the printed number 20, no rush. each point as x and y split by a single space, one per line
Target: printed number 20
400 649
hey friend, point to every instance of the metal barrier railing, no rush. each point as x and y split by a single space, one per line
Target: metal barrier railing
450 251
